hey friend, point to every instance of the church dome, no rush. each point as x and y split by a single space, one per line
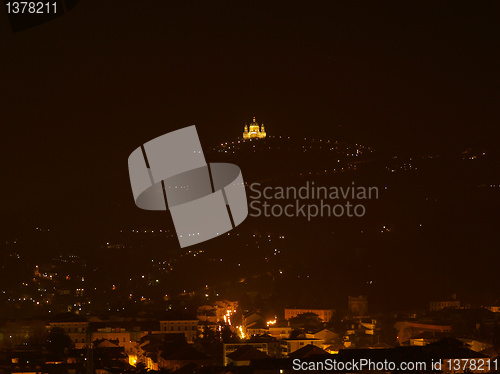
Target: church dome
254 131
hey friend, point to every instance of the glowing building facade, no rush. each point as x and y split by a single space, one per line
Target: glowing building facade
255 131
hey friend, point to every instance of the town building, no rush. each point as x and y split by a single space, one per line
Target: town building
407 330
244 355
324 314
233 347
451 302
75 326
293 344
358 305
175 322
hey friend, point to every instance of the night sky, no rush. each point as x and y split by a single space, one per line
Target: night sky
79 93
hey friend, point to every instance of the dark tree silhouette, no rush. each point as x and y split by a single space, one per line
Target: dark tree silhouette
58 342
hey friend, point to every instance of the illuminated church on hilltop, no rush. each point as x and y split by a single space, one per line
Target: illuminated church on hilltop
255 131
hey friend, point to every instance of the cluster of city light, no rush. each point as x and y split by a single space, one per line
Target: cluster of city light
227 317
349 167
490 185
241 333
351 151
132 360
148 231
272 322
